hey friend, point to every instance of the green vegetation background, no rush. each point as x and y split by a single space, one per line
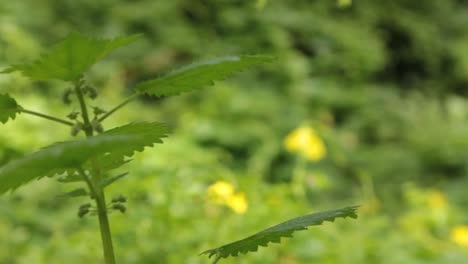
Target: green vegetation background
383 83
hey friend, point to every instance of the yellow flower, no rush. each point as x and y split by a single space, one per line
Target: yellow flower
238 203
459 235
220 192
305 141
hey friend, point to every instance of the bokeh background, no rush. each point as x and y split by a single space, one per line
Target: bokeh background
365 104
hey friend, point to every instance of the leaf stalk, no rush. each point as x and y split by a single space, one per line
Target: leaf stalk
48 117
128 100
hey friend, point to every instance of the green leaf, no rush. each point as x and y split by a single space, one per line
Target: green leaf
63 157
275 233
8 108
75 193
60 156
70 58
198 75
147 133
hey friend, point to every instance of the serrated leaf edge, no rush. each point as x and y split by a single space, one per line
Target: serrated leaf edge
194 66
349 211
109 47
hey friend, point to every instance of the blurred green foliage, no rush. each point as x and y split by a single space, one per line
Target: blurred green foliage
383 83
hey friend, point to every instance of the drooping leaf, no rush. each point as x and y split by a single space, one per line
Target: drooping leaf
66 156
75 193
275 233
70 58
198 75
8 108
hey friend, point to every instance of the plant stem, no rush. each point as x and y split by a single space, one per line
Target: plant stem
52 118
88 181
106 235
95 187
218 257
128 100
88 129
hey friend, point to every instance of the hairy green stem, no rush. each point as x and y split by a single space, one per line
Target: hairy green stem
97 192
96 189
128 100
106 235
88 129
48 117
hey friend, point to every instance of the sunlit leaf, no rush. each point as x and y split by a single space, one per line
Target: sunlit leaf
198 75
65 156
8 108
70 58
275 233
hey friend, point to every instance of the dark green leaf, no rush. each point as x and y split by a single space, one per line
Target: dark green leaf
8 108
199 75
65 156
275 233
56 158
71 57
147 133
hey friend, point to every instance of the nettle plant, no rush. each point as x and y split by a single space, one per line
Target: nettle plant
90 160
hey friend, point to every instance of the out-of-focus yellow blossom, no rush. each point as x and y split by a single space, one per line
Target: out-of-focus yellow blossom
220 192
459 235
344 3
304 140
437 200
238 203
